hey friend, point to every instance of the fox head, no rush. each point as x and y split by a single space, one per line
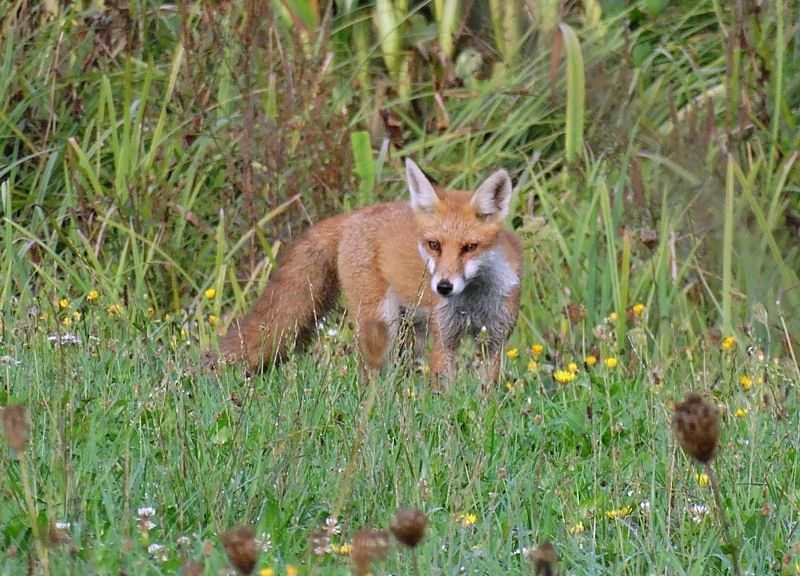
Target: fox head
457 229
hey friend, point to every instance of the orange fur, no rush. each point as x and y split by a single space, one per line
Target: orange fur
390 260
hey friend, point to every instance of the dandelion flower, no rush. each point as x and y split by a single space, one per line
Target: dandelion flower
612 317
728 343
590 360
638 309
612 362
741 412
92 295
213 319
563 376
76 316
512 353
266 572
343 550
67 321
533 365
210 293
291 570
63 303
114 310
467 519
746 382
623 512
537 349
572 367
702 479
578 528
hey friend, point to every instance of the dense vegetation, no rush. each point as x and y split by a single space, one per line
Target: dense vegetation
156 157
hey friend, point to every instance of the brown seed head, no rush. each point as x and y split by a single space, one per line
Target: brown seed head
193 568
16 426
368 546
695 426
543 559
241 547
408 526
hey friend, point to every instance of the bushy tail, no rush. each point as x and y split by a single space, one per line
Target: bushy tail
301 290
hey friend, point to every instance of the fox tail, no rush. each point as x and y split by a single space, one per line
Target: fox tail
301 290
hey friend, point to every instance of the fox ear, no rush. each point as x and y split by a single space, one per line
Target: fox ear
423 195
492 198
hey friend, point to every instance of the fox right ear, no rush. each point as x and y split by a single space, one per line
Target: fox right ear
423 195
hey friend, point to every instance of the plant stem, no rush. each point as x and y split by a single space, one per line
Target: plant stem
712 476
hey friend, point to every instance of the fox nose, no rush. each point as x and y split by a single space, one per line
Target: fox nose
444 287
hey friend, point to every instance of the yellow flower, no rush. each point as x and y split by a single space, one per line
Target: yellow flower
210 293
572 367
563 376
76 315
467 519
638 309
537 349
510 386
92 295
728 343
212 319
67 321
612 317
533 365
291 570
63 303
512 353
702 479
619 513
741 412
611 362
266 572
151 312
577 528
745 381
114 310
590 360
343 550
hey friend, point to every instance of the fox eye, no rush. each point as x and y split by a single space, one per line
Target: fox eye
434 245
467 248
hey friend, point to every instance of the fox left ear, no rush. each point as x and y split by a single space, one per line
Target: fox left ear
492 198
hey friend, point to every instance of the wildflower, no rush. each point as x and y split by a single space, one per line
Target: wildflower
611 363
702 479
264 542
563 376
543 558
145 515
114 310
332 526
183 541
537 349
212 319
741 412
151 312
512 353
467 519
728 343
159 551
572 367
16 426
644 506
533 365
67 321
266 572
320 542
694 425
92 295
368 546
241 548
68 338
612 317
638 309
343 550
746 382
699 512
63 303
619 513
210 293
409 526
578 528
76 315
291 570
590 360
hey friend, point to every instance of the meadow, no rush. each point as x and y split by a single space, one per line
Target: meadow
155 160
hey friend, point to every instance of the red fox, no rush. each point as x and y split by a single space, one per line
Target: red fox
444 259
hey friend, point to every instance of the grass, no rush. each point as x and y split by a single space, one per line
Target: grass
155 161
